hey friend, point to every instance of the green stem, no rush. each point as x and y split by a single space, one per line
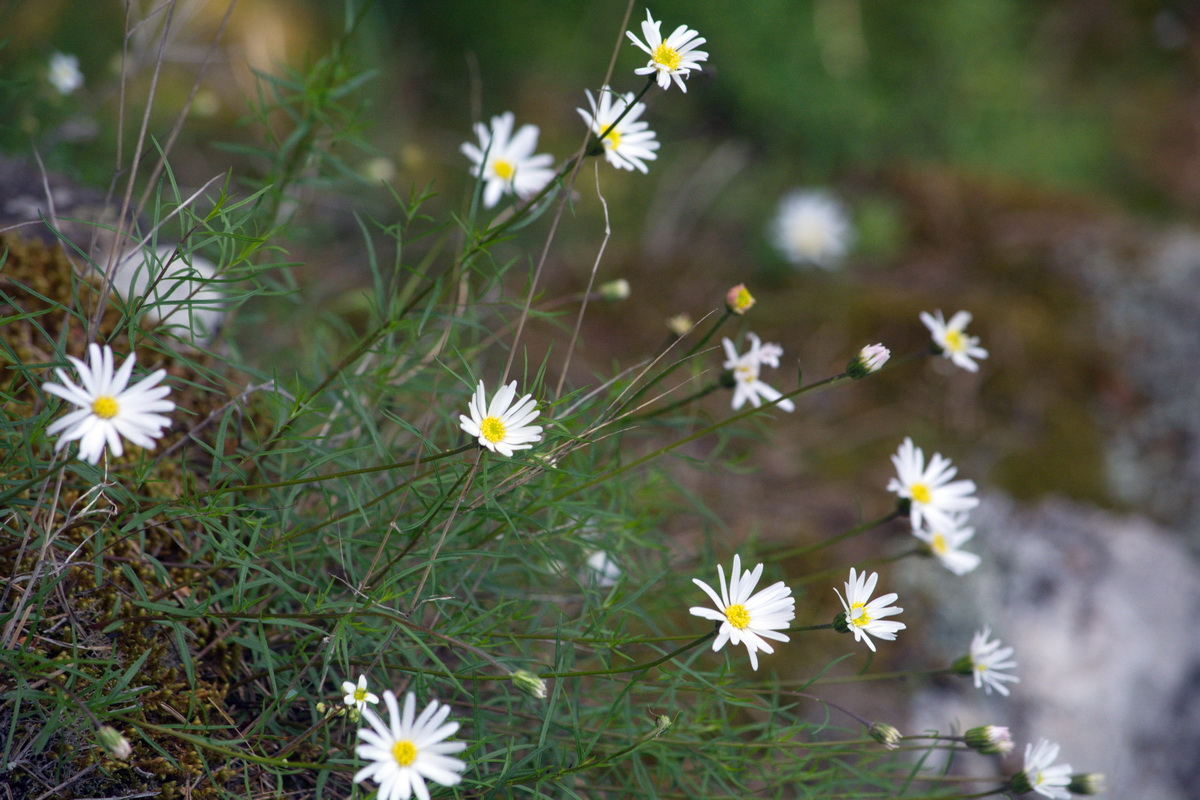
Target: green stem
871 562
884 676
695 348
855 531
658 412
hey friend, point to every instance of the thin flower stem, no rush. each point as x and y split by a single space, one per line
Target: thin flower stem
707 390
855 531
884 676
691 438
988 793
695 348
871 562
334 475
229 751
636 667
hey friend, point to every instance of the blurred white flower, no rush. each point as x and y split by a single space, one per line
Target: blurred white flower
944 544
986 661
933 497
178 288
811 227
863 616
604 571
630 144
357 696
990 740
64 73
1041 775
673 58
745 368
505 161
951 337
502 426
746 619
110 408
409 751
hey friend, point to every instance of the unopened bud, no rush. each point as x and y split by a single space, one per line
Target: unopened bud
989 739
529 683
739 299
885 734
1086 783
868 360
615 290
113 743
661 723
680 324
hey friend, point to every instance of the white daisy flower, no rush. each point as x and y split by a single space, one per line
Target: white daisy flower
951 337
933 496
410 751
630 144
745 368
944 544
985 662
673 58
178 290
64 74
357 696
1039 776
109 407
863 616
502 426
990 740
746 619
505 162
811 227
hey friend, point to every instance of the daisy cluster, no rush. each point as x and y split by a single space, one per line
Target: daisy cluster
506 161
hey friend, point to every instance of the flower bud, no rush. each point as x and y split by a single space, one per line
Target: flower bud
868 360
661 723
1086 783
739 299
885 734
529 683
615 290
989 739
113 743
680 324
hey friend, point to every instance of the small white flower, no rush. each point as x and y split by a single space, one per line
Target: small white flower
502 426
505 162
410 751
953 340
747 385
605 571
746 619
868 360
987 659
864 616
357 696
944 544
178 290
933 497
64 73
109 407
1046 780
630 144
673 58
989 740
811 227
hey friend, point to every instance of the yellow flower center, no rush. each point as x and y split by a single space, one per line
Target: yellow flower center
361 695
858 615
667 56
743 300
504 169
492 429
105 406
746 374
613 140
405 752
920 493
955 341
938 545
738 616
